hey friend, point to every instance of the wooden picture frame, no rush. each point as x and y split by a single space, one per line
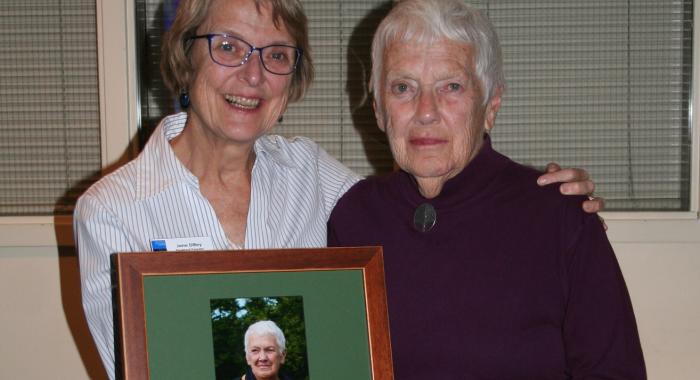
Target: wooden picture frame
159 296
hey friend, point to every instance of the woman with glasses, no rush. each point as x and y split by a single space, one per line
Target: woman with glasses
212 177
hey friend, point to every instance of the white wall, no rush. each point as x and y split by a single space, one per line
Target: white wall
664 283
44 335
661 264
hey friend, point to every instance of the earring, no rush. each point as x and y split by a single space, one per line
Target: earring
184 99
280 119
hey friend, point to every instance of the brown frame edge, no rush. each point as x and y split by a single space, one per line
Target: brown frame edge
131 268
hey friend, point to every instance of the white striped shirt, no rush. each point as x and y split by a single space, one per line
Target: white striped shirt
295 185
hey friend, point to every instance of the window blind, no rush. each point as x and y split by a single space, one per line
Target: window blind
603 85
49 109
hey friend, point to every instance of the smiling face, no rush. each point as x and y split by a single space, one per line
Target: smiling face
264 356
432 110
237 104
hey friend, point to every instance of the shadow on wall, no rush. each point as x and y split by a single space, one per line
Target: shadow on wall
72 307
155 100
69 272
359 63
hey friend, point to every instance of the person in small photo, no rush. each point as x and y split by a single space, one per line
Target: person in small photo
265 351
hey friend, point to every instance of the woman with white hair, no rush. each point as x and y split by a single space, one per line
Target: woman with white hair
488 276
265 351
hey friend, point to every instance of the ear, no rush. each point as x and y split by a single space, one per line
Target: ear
378 115
492 109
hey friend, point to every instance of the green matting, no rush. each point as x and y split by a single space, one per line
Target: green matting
178 320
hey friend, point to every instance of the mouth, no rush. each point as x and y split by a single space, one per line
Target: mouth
242 102
426 141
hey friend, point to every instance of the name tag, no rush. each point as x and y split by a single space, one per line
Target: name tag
183 244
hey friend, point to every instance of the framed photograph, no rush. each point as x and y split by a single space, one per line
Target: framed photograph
183 315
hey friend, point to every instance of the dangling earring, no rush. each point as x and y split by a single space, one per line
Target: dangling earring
184 99
280 119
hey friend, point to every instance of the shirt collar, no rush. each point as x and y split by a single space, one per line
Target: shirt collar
159 168
276 149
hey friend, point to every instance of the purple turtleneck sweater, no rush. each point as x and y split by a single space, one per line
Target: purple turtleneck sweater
514 281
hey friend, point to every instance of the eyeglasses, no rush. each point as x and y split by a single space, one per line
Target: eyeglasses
232 51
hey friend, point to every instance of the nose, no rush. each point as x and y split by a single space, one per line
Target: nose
252 70
426 109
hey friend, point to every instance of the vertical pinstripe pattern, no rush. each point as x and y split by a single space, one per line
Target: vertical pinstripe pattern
295 185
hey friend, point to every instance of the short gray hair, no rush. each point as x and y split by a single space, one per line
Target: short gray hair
260 328
427 21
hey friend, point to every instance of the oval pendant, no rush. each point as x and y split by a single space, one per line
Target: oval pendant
424 217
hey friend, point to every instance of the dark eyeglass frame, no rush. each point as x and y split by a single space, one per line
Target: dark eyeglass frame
251 49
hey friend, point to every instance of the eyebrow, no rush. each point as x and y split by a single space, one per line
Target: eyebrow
231 33
271 346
